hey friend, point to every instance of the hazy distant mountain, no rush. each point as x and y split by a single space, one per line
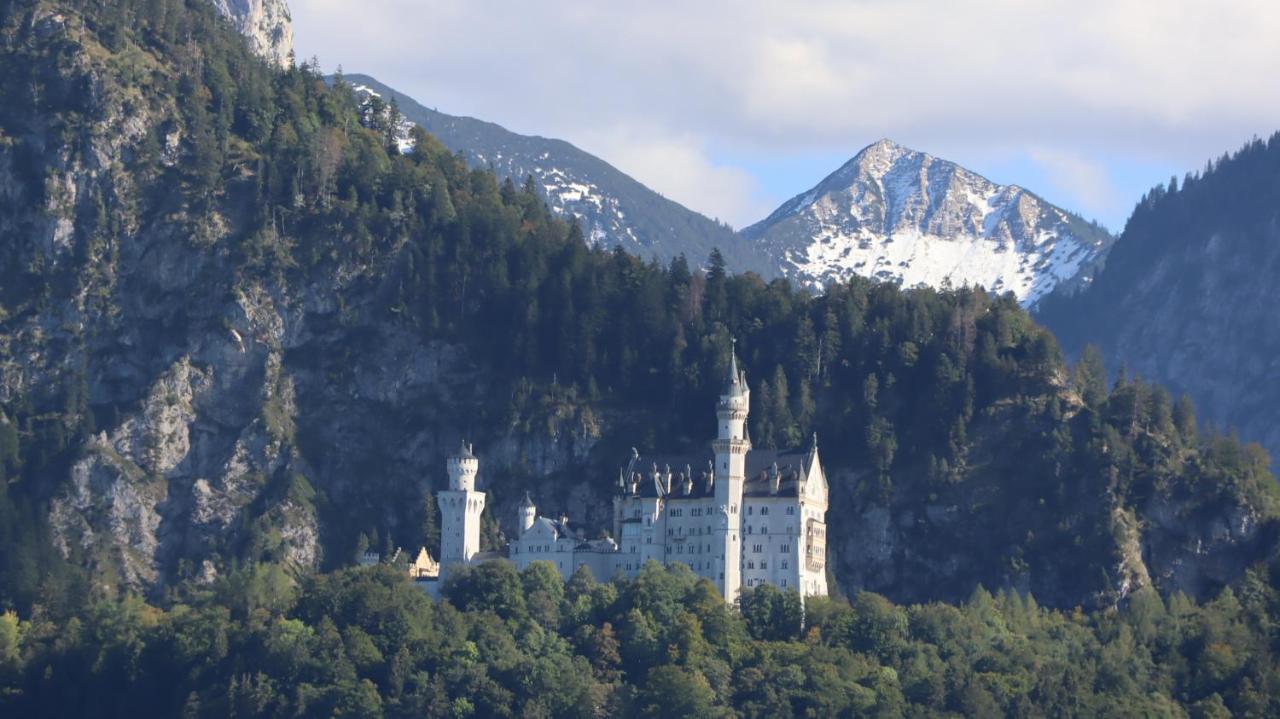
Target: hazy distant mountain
614 209
904 216
1189 292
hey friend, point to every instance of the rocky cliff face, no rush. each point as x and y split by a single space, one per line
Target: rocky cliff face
266 23
903 216
917 551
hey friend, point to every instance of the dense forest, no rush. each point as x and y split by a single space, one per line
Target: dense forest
366 643
243 260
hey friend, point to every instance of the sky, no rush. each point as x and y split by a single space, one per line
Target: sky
730 108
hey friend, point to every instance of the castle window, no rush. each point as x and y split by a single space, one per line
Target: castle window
757 548
671 532
784 548
750 510
764 510
791 510
784 582
784 564
764 565
749 528
764 529
648 540
751 565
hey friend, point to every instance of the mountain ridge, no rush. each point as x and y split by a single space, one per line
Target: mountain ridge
1016 240
881 215
1186 297
614 208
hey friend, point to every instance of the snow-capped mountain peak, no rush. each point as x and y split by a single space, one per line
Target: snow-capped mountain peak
900 215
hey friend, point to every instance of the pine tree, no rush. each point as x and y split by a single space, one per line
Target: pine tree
1090 377
787 433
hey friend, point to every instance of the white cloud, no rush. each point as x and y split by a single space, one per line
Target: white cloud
1085 185
681 170
1172 82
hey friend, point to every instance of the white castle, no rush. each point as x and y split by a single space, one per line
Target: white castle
748 519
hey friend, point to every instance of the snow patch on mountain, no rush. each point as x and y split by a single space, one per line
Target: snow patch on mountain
567 194
898 215
374 111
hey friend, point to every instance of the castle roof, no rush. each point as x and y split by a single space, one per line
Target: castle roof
769 473
464 452
736 382
556 528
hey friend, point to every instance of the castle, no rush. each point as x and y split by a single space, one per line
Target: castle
749 518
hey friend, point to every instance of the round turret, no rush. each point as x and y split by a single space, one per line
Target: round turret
463 467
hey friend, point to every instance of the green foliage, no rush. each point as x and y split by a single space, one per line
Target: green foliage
367 642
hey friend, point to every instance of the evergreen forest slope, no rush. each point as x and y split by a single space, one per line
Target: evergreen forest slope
1187 295
245 328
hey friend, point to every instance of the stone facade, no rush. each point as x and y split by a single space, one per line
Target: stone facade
745 519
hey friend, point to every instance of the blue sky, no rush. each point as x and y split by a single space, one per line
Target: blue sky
732 107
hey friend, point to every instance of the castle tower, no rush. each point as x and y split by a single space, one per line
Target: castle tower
460 509
731 447
528 513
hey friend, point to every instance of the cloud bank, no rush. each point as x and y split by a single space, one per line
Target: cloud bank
673 92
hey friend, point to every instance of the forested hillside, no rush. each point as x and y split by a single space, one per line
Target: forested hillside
241 329
245 329
1188 292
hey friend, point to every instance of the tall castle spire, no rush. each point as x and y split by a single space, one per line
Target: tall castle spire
731 447
736 382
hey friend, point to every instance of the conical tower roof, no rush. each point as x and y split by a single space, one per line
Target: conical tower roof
464 452
735 383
